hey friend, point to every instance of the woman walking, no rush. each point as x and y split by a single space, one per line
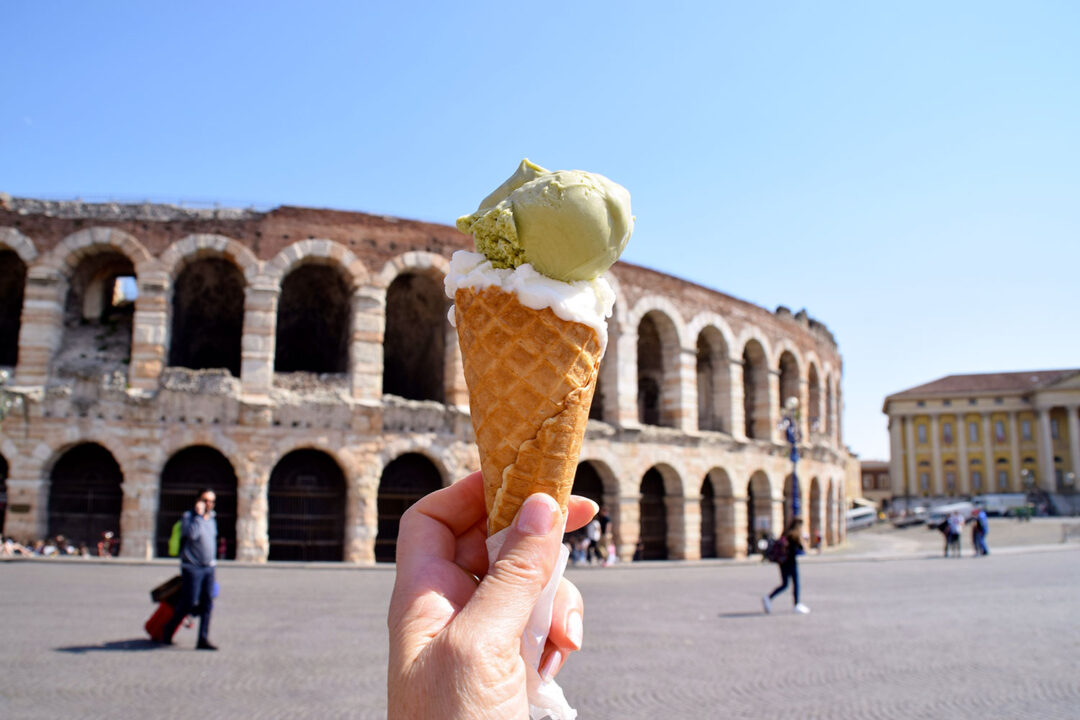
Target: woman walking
789 568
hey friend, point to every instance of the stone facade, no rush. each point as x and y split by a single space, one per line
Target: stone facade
690 392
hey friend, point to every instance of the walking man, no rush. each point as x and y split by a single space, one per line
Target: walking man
198 545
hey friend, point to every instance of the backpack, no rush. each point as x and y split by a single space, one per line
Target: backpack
174 540
777 551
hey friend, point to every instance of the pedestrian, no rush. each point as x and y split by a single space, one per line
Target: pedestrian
198 546
955 527
979 528
789 567
595 551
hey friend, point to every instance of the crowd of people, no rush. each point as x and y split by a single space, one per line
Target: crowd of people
60 546
593 544
952 527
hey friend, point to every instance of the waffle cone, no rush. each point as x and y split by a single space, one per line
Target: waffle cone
531 378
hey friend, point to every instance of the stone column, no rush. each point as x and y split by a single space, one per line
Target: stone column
150 331
896 456
456 391
685 411
138 515
258 340
626 387
1074 438
937 481
730 527
962 458
366 349
361 518
628 526
1014 457
988 440
27 517
42 324
738 411
252 515
1046 451
912 465
683 527
772 412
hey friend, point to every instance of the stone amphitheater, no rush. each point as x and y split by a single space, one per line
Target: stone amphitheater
300 362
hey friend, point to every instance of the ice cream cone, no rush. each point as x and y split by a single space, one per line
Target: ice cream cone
531 378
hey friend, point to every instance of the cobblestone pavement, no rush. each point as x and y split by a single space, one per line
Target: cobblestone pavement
993 637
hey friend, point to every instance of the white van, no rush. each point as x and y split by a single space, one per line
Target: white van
1000 503
937 515
860 517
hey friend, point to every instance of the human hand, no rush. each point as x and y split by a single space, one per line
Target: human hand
456 624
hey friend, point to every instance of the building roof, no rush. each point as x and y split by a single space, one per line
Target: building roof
1011 382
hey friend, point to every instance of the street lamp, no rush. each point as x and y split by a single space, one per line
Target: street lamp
790 425
1070 488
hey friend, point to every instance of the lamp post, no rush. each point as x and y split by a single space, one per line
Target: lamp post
790 425
1028 478
1070 489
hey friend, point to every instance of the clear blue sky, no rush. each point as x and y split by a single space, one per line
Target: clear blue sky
909 172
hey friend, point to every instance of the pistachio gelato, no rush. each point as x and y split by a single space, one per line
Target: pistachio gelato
569 225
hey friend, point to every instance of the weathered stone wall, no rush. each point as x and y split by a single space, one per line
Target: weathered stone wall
143 411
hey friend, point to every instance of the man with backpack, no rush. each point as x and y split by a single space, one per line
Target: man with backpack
784 552
198 550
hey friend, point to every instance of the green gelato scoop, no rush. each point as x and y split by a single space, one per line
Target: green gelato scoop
569 225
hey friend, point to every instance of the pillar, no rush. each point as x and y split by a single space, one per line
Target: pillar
937 479
258 339
1046 451
150 331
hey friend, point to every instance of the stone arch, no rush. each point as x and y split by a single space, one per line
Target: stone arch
814 396
184 474
830 413
658 360
12 286
405 480
207 307
817 513
319 252
661 514
18 243
714 379
757 410
831 514
70 252
313 322
86 495
419 345
759 510
708 503
790 373
191 248
728 543
306 498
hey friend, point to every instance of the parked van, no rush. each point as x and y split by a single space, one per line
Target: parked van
937 515
860 517
1000 503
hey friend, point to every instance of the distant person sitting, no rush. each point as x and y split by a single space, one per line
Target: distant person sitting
198 548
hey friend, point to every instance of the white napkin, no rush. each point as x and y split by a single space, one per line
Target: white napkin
546 699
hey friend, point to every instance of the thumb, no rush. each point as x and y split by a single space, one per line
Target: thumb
501 605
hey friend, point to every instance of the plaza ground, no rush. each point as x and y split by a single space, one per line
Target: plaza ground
895 632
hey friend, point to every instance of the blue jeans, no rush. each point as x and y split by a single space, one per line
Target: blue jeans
788 571
196 594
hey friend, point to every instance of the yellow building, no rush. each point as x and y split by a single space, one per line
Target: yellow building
965 435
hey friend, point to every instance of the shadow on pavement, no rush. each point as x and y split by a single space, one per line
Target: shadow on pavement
754 613
135 645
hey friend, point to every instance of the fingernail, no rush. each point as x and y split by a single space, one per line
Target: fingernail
574 629
551 666
537 516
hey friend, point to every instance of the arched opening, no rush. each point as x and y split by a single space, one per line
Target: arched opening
313 321
728 545
789 500
814 398
708 519
85 495
404 481
3 491
414 346
831 515
828 408
758 511
12 283
98 313
817 511
713 382
789 381
207 316
186 473
650 364
756 391
588 483
652 541
307 508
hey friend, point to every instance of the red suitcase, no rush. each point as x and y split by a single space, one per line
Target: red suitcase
156 624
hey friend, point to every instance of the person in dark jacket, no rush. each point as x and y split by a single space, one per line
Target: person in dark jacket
198 546
789 568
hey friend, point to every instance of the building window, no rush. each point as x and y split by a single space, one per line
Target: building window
972 401
973 432
976 481
867 482
924 481
999 401
999 431
946 403
946 432
883 481
1003 479
1025 429
920 403
1055 429
950 481
921 432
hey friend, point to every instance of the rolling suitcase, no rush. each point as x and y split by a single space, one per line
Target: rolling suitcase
156 624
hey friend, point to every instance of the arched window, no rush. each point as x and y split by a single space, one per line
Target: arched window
708 520
307 508
12 283
713 382
85 495
184 475
653 536
789 381
758 511
756 392
657 391
207 316
98 313
404 481
313 321
414 346
814 398
588 483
